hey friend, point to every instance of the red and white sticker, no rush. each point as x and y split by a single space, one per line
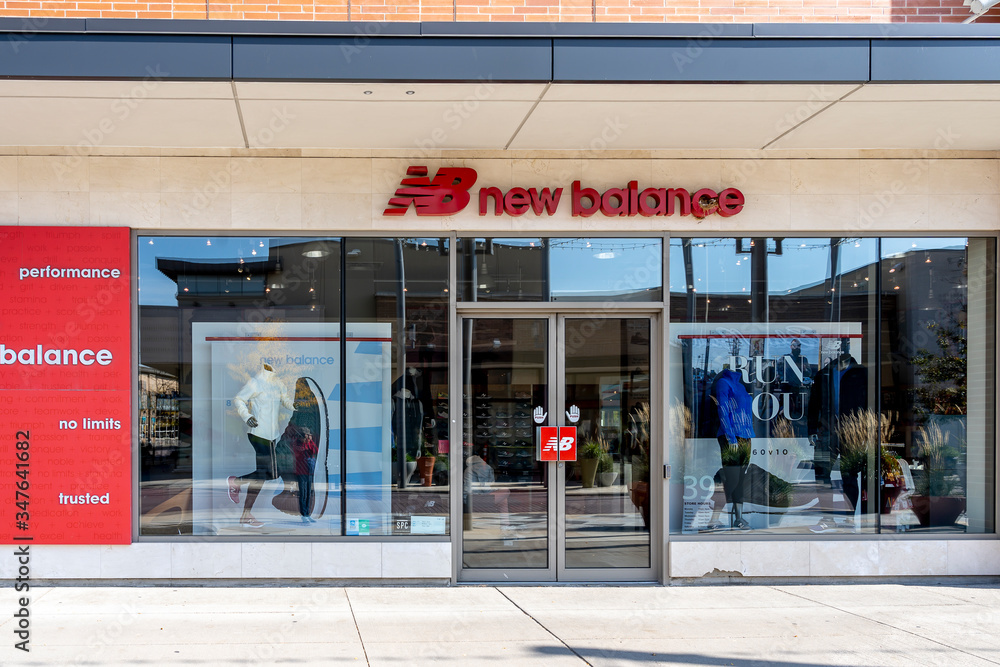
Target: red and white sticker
556 443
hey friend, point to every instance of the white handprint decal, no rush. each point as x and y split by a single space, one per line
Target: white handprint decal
539 414
573 414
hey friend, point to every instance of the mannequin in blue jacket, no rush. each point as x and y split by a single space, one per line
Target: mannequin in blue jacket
733 407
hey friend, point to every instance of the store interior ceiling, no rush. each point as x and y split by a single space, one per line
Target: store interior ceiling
486 115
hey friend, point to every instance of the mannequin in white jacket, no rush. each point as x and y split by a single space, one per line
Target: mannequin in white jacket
259 404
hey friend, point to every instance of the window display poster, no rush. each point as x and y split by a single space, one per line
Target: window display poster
266 426
65 464
761 382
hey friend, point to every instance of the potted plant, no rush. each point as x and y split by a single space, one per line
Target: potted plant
938 498
893 482
735 464
858 433
590 455
639 487
425 464
606 474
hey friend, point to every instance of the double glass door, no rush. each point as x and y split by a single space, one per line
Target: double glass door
529 520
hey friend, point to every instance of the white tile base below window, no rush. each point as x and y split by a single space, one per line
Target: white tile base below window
863 558
251 560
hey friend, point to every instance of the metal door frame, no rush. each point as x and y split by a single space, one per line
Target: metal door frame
556 570
541 575
610 574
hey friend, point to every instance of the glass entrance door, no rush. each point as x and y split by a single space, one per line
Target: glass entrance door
588 519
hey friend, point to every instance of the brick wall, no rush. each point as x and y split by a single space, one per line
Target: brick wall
624 11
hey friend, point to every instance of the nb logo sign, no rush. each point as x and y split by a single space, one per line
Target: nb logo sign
562 444
445 194
555 443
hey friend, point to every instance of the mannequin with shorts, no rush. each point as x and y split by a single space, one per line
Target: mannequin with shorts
259 405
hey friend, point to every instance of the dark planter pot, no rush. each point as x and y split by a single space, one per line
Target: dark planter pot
639 493
853 491
589 472
732 482
937 510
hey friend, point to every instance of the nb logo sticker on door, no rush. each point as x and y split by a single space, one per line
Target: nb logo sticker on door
555 443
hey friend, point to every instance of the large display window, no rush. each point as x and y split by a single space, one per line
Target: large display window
298 386
292 386
832 386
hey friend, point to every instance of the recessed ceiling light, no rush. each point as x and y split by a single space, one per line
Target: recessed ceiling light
315 251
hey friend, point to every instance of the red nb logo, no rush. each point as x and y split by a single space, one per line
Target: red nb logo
446 193
556 443
561 444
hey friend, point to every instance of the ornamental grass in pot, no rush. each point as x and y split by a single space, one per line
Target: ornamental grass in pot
858 434
639 429
938 499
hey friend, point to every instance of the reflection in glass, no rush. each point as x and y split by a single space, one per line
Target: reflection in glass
938 321
504 491
772 358
560 269
607 489
231 409
242 380
397 413
853 427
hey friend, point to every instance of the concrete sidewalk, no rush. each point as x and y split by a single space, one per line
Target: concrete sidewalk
809 625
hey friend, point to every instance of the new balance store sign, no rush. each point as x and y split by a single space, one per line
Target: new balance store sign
450 192
64 386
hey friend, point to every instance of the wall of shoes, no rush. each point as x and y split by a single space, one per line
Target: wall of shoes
502 430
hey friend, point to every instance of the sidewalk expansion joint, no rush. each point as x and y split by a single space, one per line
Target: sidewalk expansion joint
542 626
354 618
891 627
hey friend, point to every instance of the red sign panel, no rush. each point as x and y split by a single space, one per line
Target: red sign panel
65 471
567 443
547 443
556 443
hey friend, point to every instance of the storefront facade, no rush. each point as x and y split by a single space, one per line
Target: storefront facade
767 347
